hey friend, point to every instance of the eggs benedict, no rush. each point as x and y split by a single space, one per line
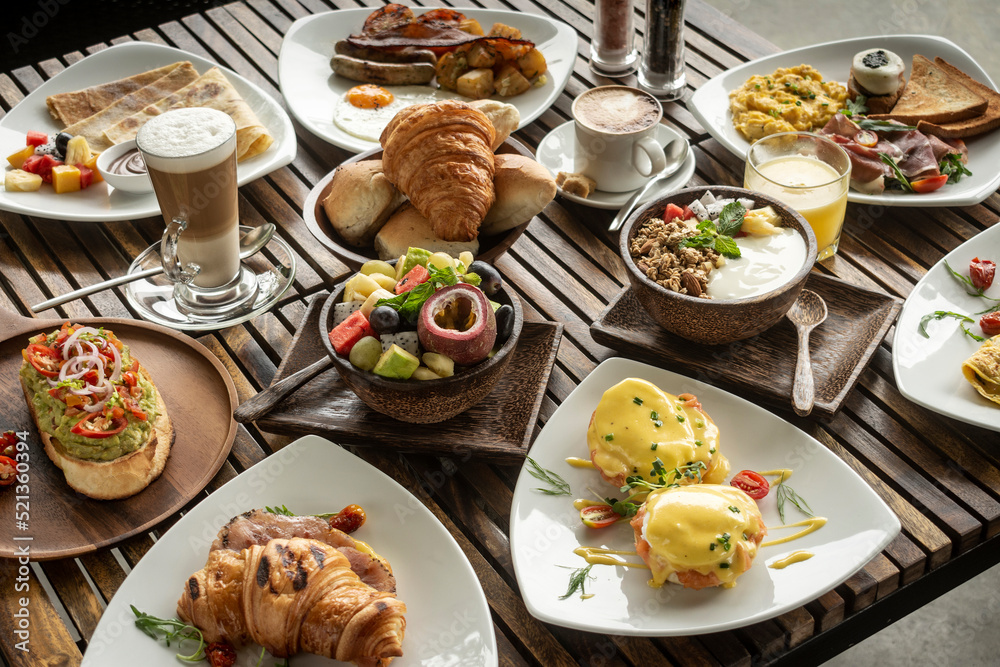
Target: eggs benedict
639 430
698 536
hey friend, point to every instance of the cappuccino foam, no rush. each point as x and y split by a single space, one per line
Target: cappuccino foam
185 140
616 110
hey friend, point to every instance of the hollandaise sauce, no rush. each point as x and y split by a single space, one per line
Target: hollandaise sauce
781 473
791 559
638 429
577 462
809 525
603 556
580 503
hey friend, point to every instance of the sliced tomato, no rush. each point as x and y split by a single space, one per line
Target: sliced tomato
130 403
99 426
8 443
981 272
599 516
129 378
930 184
36 138
990 323
43 359
8 471
673 212
751 483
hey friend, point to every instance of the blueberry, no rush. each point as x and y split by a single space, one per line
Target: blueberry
384 319
491 280
505 323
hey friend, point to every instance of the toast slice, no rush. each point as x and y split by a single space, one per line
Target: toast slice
935 97
990 120
121 477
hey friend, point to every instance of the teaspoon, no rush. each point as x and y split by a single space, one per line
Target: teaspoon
808 311
676 153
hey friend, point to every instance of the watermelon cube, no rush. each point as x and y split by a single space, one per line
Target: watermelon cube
415 276
345 335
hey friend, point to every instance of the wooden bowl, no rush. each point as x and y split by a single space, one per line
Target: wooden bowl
715 321
490 247
423 401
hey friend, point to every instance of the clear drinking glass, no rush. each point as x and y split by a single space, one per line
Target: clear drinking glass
808 172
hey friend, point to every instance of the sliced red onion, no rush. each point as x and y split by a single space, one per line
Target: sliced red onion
117 372
105 388
75 335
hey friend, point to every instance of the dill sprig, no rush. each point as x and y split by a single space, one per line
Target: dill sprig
171 629
785 492
578 581
560 486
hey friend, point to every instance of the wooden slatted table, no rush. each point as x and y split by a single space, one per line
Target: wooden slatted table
941 477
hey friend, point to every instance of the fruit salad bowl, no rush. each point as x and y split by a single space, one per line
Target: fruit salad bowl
423 401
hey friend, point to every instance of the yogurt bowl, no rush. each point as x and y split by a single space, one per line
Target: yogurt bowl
122 167
748 308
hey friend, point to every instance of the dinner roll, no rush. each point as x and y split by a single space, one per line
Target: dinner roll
505 118
361 199
407 228
523 188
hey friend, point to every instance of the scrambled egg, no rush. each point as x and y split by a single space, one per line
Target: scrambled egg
790 99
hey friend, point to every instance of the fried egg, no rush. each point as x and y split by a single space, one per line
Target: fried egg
364 111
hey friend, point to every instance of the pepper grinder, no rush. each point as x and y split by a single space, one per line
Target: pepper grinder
661 72
611 51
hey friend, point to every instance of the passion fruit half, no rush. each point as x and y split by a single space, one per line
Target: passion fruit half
458 322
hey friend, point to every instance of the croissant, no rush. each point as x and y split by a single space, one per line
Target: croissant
439 155
290 596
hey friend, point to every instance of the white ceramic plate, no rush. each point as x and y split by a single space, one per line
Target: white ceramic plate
447 620
710 105
545 529
312 90
929 370
101 202
556 153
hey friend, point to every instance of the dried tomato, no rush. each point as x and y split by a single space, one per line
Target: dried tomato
348 519
990 323
981 272
220 654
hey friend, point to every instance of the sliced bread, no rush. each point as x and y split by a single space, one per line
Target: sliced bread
990 120
931 95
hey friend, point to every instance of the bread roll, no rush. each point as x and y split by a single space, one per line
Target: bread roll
523 188
361 199
505 118
407 227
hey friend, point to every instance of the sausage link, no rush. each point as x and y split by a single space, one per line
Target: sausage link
392 74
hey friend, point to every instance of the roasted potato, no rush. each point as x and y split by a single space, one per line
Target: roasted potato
477 83
482 54
450 66
501 30
471 26
509 81
532 64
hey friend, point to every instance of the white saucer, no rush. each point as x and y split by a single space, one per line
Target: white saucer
273 267
556 152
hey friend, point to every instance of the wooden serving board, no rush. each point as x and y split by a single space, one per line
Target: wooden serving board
764 366
200 397
499 428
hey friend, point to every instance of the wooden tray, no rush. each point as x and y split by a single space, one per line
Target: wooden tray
314 215
200 397
764 365
500 428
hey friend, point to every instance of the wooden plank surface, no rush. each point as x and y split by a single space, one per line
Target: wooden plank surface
942 478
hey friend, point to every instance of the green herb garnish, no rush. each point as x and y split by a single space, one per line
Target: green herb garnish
560 486
409 303
951 165
883 126
735 510
940 315
625 508
637 400
903 182
718 235
724 541
578 581
171 629
785 492
856 106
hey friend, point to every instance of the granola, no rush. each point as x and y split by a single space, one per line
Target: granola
655 250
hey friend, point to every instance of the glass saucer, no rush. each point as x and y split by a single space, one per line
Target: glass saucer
273 268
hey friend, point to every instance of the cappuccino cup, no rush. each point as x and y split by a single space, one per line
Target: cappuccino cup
616 137
190 155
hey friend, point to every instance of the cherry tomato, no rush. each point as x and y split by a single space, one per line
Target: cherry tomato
8 444
866 138
981 271
751 483
8 471
44 359
598 516
220 654
990 323
348 519
99 426
929 184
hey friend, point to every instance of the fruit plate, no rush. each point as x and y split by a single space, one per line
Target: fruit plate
499 428
101 202
710 105
313 91
929 370
545 529
434 578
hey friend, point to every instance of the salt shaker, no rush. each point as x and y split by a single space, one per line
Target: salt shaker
661 71
611 52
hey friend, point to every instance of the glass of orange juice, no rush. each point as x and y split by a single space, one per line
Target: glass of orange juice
808 172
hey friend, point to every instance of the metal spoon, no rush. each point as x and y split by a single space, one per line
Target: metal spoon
808 311
676 153
251 243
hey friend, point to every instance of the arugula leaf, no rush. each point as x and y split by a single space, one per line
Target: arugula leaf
882 126
578 581
171 629
896 170
856 106
731 218
951 165
281 509
940 315
560 486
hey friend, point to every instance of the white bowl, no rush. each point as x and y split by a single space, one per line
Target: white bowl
136 183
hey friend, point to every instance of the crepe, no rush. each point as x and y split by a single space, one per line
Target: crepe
214 91
73 107
93 126
982 369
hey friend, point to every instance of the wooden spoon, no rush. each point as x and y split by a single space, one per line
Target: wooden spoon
808 311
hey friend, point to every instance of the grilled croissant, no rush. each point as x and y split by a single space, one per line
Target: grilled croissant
290 596
439 155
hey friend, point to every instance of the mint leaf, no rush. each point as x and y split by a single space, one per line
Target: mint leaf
726 246
731 219
703 240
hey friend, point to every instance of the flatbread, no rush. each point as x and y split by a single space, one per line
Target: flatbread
93 126
982 369
214 91
75 106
